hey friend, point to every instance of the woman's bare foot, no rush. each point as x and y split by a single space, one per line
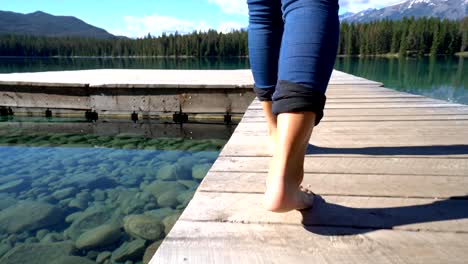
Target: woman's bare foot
286 172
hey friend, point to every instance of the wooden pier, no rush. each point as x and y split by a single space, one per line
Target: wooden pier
391 170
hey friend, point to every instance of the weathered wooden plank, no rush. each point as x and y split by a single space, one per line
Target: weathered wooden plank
344 184
344 211
403 111
461 125
213 242
402 145
385 165
379 105
261 119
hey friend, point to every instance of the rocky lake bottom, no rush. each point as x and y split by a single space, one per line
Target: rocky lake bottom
84 198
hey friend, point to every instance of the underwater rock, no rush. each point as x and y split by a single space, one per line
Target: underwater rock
170 156
81 200
64 193
206 155
38 253
168 199
52 237
15 186
29 216
167 172
150 251
89 219
160 214
31 240
129 251
169 222
72 217
71 260
185 197
186 164
150 206
143 226
199 171
99 195
88 180
40 234
193 185
4 248
92 254
6 201
99 237
103 256
157 188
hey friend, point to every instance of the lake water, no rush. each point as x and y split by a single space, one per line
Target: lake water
80 192
444 78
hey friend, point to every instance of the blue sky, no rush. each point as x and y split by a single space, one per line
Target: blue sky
140 17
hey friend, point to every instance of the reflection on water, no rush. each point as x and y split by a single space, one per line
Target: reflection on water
444 78
8 65
87 198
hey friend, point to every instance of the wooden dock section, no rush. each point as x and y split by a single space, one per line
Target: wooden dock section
391 170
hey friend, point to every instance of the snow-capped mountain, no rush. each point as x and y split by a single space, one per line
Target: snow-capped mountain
451 9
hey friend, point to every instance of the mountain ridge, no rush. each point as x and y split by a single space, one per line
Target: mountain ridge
40 23
450 9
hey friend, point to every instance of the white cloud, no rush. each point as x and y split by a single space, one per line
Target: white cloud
156 25
359 5
233 7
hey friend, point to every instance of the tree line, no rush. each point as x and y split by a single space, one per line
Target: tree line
423 36
405 37
196 44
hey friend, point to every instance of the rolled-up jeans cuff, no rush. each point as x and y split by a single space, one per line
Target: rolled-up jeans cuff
264 94
292 97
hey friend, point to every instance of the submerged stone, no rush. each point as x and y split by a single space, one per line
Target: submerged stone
169 222
64 193
185 197
29 216
129 251
160 214
199 171
87 220
189 184
38 253
71 260
103 256
99 237
168 199
157 188
15 185
143 226
150 251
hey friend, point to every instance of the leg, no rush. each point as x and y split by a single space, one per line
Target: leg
306 62
271 122
265 34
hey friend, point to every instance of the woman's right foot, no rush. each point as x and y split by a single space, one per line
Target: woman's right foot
286 168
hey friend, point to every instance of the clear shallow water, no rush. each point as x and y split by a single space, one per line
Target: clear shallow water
443 78
79 198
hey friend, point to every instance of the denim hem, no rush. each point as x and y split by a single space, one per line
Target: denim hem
292 97
264 94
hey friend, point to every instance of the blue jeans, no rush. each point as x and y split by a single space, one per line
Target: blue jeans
292 50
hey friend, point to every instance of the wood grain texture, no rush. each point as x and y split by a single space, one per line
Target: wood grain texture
374 185
193 242
391 170
384 165
414 214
